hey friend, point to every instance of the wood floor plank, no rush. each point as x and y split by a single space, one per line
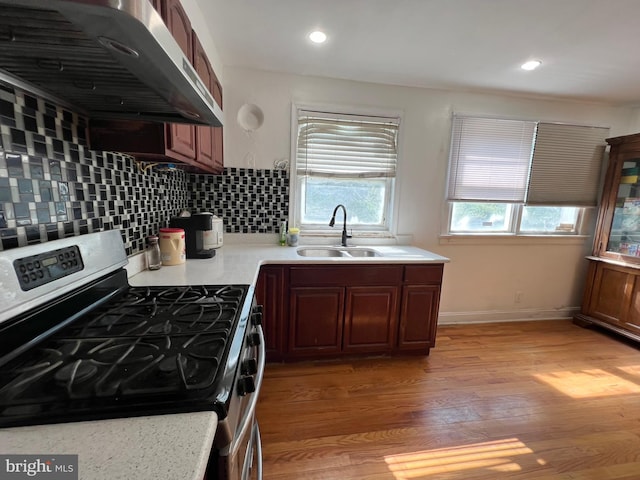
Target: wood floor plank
530 400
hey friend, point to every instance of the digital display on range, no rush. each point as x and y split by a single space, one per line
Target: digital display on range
49 261
47 267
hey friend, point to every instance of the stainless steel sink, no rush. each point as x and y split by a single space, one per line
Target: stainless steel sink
362 252
319 252
337 252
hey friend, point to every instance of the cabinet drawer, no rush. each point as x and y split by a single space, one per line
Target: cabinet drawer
345 275
423 274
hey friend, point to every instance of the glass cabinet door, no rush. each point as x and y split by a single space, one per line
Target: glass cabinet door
624 237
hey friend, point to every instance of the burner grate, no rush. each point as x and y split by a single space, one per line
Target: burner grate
147 344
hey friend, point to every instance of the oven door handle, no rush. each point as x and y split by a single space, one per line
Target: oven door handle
258 447
249 414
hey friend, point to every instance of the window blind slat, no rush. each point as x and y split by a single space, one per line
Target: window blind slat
566 165
489 159
346 145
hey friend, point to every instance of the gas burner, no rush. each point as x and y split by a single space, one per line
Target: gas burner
135 295
164 328
172 364
75 372
63 350
183 294
126 351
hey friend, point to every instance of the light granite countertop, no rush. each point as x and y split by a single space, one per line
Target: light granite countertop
172 446
240 264
141 448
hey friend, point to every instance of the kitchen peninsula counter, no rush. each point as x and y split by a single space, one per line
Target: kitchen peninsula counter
176 445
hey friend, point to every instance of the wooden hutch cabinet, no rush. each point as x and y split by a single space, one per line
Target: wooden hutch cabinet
612 290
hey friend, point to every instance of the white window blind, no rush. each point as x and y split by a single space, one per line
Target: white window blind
346 146
514 161
566 165
490 159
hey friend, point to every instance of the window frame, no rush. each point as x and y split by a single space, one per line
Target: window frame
515 220
389 228
517 208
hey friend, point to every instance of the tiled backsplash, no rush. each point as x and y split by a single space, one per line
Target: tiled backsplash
248 200
53 186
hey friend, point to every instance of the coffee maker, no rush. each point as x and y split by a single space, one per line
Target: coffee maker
198 230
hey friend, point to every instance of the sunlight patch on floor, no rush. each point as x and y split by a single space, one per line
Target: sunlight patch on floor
495 456
631 370
590 383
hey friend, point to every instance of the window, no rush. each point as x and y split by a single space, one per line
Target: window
522 177
344 159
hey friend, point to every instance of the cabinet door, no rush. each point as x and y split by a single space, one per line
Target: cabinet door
270 291
316 320
615 298
181 138
370 319
418 317
610 296
204 135
632 319
218 150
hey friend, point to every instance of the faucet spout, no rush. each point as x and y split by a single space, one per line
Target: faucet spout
332 222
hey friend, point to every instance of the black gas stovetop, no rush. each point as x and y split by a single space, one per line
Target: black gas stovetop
145 350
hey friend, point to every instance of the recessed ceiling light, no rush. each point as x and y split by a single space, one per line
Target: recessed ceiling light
531 65
318 37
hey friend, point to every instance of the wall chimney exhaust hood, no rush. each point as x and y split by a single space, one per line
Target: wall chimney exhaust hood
108 59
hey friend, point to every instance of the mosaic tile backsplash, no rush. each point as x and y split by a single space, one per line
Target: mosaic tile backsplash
53 186
248 200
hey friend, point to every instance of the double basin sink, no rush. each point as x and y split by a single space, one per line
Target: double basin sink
338 252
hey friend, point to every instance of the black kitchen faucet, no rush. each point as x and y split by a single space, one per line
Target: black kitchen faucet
344 226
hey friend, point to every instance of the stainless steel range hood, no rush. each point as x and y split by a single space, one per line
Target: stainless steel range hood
110 59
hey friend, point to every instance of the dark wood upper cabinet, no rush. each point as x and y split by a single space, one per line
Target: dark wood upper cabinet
199 147
208 139
181 138
218 150
204 135
177 21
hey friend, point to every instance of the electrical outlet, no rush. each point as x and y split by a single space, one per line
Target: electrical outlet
518 297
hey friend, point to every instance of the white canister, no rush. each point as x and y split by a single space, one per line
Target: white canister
172 246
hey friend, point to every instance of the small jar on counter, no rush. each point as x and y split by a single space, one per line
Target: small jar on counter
154 259
292 238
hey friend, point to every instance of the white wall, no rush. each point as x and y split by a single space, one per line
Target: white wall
634 126
481 280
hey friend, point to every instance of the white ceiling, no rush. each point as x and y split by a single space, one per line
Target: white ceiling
589 48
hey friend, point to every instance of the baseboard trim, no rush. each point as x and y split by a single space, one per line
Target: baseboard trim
489 316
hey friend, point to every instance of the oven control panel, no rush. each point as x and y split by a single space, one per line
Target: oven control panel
46 267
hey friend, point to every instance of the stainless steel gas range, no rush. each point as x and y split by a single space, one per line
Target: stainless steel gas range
79 343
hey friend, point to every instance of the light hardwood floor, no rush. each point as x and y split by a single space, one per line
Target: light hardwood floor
530 400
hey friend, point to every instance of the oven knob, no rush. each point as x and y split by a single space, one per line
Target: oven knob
246 385
253 339
249 367
256 316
